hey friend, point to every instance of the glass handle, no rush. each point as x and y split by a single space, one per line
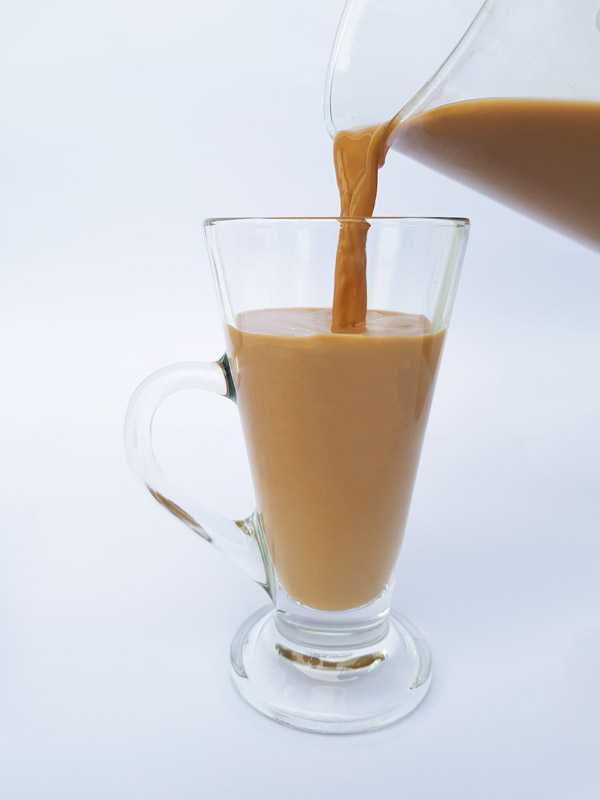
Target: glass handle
242 540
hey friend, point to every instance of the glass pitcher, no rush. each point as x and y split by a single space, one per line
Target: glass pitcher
513 111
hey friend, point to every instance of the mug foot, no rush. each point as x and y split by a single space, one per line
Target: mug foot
330 690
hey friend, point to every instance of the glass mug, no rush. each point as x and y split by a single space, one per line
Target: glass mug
333 425
502 96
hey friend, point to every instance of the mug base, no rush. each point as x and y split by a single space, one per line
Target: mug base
333 690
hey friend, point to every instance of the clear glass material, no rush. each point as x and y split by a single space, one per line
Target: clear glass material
511 108
360 666
509 48
375 67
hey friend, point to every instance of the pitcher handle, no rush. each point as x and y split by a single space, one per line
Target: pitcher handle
242 540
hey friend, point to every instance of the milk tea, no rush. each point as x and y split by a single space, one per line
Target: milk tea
333 424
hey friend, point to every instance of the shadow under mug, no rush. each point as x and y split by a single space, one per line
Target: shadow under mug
333 425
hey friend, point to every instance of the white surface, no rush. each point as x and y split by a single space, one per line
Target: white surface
123 125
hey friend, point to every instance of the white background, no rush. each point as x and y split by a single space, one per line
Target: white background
122 125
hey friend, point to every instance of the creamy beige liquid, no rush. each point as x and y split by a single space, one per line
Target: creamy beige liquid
357 157
333 426
541 157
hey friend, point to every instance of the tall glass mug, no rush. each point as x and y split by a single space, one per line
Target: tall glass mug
333 425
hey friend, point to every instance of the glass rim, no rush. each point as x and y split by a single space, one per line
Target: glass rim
450 222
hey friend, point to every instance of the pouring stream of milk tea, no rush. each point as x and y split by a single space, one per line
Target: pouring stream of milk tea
541 157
